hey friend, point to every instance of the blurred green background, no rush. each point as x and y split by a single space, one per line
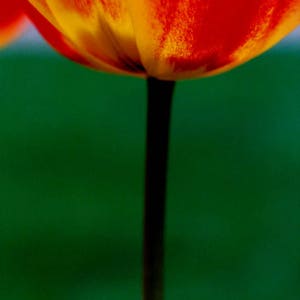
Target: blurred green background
71 182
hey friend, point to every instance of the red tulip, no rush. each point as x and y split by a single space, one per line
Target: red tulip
166 39
11 20
162 40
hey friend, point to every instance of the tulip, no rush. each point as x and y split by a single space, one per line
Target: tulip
164 41
12 20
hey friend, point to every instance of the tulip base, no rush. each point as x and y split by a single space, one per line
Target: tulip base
160 94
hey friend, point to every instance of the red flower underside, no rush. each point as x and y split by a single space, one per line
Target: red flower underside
171 36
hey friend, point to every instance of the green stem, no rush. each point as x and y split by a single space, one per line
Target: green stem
160 94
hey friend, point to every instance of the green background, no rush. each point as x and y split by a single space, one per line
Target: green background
71 182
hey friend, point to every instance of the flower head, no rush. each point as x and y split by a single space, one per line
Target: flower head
166 39
12 20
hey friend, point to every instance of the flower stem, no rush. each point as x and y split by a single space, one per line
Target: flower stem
160 94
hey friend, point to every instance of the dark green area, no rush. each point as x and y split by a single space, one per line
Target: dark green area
71 183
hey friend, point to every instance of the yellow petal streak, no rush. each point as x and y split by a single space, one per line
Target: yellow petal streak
101 33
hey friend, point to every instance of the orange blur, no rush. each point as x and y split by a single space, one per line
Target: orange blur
12 20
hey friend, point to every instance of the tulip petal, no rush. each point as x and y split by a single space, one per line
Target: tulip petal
100 30
52 35
11 20
41 15
188 38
